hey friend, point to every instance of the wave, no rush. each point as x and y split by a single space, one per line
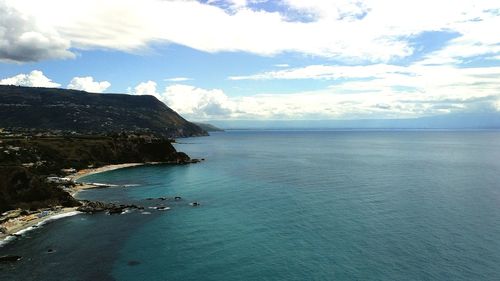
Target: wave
37 225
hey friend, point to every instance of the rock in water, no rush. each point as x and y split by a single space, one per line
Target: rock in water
133 263
10 258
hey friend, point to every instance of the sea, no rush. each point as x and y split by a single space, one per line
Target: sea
287 205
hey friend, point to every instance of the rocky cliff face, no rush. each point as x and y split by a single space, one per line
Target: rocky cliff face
45 109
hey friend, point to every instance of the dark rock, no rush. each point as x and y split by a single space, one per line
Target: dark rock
195 204
133 263
176 198
160 208
114 211
96 207
10 258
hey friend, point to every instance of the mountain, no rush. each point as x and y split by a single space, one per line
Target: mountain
44 109
488 120
209 127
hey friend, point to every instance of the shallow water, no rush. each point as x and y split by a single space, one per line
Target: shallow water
289 205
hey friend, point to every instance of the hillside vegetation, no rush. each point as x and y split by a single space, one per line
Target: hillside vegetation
25 163
42 109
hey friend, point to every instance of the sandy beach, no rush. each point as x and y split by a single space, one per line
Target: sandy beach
91 171
23 223
20 224
85 172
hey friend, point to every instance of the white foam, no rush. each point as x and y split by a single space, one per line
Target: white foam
49 218
98 184
160 208
60 216
6 240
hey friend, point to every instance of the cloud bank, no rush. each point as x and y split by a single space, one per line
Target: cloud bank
393 92
22 39
376 31
333 103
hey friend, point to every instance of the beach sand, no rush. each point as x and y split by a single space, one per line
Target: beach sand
24 223
86 172
21 224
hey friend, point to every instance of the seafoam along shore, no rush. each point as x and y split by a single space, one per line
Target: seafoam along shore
23 223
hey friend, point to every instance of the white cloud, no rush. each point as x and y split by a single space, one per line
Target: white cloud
145 88
418 89
282 65
347 29
88 84
197 102
35 78
178 79
389 96
23 39
189 101
325 72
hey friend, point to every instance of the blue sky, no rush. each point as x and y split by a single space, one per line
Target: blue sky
257 59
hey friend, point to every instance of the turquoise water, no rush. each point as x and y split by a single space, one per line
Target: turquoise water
290 205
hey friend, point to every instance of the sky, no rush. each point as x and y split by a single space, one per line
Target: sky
263 60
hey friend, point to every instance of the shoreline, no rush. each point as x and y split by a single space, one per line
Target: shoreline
86 172
80 186
23 223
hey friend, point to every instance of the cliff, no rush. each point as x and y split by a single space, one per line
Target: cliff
25 163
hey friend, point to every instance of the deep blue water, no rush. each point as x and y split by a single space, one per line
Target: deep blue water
290 205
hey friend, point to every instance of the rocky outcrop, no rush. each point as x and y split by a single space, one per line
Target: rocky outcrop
5 259
26 162
97 207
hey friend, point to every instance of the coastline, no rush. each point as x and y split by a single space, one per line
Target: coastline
85 172
91 171
20 224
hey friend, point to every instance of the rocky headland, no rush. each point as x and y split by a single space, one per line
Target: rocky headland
50 137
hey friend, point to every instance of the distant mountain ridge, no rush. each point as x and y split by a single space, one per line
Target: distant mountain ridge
486 120
88 113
